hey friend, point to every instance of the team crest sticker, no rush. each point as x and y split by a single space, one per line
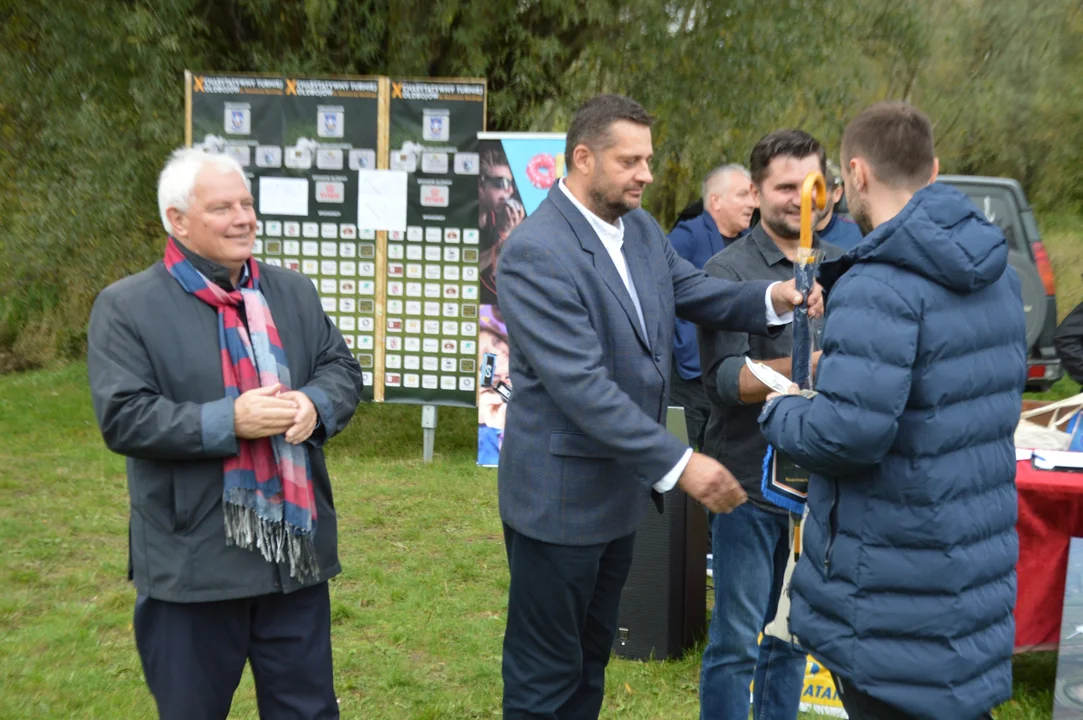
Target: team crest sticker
241 153
330 122
268 156
362 159
466 163
238 119
436 126
434 163
329 159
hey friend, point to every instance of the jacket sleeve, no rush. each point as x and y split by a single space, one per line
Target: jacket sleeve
681 239
715 303
685 350
1068 340
862 383
336 383
722 354
549 326
134 417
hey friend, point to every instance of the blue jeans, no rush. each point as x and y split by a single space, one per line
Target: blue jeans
750 548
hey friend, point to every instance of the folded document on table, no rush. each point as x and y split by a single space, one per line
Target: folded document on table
1057 460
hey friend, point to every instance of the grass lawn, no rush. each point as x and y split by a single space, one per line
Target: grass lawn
418 613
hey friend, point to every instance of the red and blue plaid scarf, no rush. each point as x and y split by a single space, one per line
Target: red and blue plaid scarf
268 499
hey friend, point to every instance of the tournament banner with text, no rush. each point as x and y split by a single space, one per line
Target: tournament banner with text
515 173
301 142
431 314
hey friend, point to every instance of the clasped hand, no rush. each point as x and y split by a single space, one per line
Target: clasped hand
268 411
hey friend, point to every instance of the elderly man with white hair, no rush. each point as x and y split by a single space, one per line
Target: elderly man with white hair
728 203
220 379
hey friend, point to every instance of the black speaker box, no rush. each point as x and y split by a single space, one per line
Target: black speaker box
663 608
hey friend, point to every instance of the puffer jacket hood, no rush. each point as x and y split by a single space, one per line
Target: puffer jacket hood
939 235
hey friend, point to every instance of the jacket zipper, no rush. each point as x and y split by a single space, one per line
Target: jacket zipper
832 525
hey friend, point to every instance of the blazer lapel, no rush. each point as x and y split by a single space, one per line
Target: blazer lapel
603 264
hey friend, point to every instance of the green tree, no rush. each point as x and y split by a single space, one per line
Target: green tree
91 99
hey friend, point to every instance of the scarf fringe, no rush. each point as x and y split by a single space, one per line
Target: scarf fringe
246 529
255 518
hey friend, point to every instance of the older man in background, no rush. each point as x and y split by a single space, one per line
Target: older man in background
728 203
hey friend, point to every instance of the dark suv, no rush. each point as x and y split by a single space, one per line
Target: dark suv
1004 204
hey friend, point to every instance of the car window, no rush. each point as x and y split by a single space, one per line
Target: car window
999 208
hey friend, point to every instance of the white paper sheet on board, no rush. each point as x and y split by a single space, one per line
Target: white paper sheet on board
283 196
381 199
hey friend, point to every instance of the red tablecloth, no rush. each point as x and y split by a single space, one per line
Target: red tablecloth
1050 515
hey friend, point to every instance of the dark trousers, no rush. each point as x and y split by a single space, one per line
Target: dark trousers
691 395
562 619
194 653
860 706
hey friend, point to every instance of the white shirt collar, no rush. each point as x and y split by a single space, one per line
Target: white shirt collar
608 233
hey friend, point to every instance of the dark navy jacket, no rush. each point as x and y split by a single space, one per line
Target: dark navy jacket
907 581
841 232
697 241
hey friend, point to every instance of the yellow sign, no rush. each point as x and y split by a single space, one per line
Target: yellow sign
818 693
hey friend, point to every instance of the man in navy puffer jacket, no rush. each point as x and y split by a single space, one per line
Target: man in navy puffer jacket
906 584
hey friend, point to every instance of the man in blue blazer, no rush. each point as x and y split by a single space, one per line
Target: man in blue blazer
589 288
